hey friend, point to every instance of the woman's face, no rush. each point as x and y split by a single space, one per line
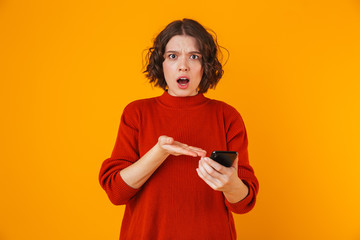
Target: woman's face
182 66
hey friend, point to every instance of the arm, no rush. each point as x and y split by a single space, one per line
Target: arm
238 183
121 179
122 175
139 172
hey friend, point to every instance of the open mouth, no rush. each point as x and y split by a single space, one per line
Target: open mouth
183 81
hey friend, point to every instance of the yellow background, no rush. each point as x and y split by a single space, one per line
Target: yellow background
68 68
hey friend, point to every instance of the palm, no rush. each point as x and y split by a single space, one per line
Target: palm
177 148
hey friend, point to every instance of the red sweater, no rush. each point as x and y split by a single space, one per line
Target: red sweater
175 203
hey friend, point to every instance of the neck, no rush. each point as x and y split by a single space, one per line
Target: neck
168 100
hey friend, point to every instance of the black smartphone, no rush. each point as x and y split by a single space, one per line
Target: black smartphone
225 158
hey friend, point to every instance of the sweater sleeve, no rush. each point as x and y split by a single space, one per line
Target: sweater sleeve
237 141
125 153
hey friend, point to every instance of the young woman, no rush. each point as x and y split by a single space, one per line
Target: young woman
159 166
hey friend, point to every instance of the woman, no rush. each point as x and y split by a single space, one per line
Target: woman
159 167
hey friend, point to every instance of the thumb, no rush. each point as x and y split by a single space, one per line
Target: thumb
235 163
165 140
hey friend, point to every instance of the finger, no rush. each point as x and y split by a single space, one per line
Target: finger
222 177
202 154
199 151
218 167
201 175
185 149
178 150
235 164
209 169
190 150
182 144
210 177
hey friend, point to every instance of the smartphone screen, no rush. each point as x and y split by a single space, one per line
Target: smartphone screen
225 158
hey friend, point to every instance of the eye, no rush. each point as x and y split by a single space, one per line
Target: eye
172 56
194 57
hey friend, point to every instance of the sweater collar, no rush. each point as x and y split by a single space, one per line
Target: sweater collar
182 102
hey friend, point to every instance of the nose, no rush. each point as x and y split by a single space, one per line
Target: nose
183 65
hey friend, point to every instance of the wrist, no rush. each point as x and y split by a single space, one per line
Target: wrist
161 152
237 192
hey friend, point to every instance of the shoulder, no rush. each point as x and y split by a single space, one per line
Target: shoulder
133 111
139 104
224 107
229 113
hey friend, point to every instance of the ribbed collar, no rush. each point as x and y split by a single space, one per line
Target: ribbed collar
182 102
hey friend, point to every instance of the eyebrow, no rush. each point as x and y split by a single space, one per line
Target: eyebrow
191 52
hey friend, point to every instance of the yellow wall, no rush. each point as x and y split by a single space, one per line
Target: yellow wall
68 68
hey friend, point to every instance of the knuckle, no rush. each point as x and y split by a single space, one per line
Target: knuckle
206 176
217 188
162 138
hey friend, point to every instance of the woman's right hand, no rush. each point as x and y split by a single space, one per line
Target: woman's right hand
172 147
140 171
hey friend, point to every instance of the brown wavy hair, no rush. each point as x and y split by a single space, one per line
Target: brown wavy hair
209 49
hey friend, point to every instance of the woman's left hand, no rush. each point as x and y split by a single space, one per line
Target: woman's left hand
221 178
217 176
